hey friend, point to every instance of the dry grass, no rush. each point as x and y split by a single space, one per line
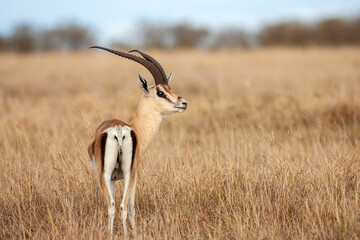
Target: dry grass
268 149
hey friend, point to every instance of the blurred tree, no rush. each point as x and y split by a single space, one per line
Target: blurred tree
156 36
66 37
338 32
355 37
72 36
232 38
187 36
22 39
182 35
120 45
4 44
288 33
326 32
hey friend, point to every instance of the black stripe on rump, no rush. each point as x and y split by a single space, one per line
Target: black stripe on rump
93 147
119 158
134 143
102 147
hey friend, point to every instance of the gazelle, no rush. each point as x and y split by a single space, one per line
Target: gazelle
118 159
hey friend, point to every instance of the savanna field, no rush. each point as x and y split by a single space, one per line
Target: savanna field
268 148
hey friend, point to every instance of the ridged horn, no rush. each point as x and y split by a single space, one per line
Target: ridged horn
156 63
149 65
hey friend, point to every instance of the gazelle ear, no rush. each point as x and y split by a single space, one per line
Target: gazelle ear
143 85
169 78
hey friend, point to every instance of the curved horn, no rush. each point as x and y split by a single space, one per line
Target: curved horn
156 63
149 66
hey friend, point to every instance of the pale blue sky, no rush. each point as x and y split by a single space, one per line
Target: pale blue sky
115 19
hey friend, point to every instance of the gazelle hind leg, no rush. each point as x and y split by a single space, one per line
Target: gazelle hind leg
110 150
123 206
132 208
110 202
110 188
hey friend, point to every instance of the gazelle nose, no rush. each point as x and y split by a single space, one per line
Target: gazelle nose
183 102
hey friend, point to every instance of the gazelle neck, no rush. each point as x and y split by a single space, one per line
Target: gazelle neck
146 123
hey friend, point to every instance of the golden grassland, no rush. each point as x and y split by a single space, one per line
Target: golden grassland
268 148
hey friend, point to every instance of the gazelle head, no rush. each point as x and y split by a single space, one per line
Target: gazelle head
160 96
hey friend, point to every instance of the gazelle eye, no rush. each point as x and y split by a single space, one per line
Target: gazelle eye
123 137
160 94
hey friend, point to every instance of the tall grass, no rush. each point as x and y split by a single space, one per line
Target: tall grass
268 148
